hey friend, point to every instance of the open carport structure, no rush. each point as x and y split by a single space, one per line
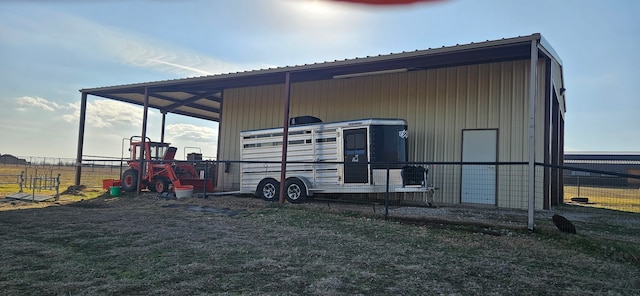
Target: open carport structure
512 88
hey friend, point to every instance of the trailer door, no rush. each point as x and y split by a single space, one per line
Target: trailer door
355 156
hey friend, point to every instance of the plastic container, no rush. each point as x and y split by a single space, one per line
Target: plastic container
114 191
107 183
184 191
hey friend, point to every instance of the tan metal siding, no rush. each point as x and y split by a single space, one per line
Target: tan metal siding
540 132
438 104
245 108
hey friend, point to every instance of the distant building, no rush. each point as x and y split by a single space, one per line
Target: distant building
10 159
591 168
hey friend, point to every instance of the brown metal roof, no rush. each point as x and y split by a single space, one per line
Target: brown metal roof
200 97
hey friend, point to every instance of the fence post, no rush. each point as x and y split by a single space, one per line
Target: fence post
49 181
386 197
205 176
33 186
21 180
58 188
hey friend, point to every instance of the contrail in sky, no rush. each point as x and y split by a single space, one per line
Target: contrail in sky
181 66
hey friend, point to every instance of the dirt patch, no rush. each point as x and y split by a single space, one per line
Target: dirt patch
75 190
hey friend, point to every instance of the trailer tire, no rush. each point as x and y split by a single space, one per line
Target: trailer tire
130 180
295 191
268 189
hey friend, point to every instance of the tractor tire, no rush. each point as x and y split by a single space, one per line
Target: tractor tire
161 185
268 189
295 191
130 180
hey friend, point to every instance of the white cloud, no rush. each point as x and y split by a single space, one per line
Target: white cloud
100 113
38 103
190 132
106 113
185 136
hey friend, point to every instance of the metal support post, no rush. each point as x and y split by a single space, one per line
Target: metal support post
144 136
58 188
386 197
285 136
83 113
21 181
533 85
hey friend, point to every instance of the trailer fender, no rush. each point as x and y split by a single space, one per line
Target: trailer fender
306 182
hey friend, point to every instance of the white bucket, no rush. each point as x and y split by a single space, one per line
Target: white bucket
184 191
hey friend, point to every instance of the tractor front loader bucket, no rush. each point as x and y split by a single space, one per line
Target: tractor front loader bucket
199 185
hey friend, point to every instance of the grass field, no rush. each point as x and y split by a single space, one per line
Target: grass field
232 245
622 199
92 178
96 244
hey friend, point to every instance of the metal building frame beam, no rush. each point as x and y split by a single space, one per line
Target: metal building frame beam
533 86
83 113
144 139
285 135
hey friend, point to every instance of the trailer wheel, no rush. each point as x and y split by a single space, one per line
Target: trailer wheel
161 185
296 191
130 180
268 189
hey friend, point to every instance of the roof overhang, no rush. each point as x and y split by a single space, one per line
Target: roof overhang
201 97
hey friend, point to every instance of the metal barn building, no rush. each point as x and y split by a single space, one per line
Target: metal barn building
504 98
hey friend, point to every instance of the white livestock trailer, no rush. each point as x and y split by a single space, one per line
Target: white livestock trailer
338 157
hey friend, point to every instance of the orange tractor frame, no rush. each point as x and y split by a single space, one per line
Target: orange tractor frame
161 173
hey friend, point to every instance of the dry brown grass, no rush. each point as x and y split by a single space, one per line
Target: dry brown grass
621 199
149 246
92 179
91 176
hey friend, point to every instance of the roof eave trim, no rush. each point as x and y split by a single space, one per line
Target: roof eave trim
544 45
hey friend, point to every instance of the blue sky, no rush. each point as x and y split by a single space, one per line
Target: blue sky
51 49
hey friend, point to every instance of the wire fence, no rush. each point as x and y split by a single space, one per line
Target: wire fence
494 194
590 187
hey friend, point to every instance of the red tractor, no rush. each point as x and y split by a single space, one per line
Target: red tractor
161 173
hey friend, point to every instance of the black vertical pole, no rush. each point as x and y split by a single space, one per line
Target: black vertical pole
285 135
144 139
578 188
216 164
205 178
83 113
386 197
164 115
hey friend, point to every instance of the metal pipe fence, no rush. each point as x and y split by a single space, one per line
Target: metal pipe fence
491 193
94 171
35 179
593 188
6 179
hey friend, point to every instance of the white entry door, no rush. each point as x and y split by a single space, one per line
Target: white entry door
479 181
